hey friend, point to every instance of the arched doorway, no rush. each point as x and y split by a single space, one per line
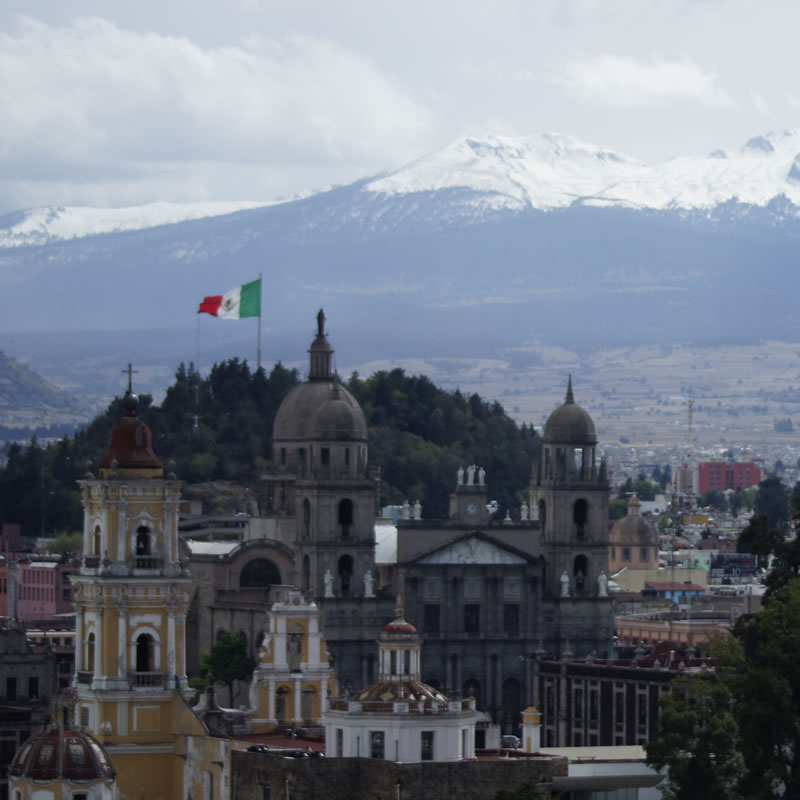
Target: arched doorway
345 573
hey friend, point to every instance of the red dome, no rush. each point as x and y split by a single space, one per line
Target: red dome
399 625
131 441
62 753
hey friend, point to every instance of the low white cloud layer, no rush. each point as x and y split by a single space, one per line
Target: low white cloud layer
625 82
90 102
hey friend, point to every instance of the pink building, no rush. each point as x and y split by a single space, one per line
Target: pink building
43 589
724 475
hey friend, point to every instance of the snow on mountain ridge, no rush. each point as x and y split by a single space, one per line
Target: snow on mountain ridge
41 225
554 171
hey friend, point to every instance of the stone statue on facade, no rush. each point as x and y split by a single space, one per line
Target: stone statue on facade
369 584
460 476
471 475
417 510
523 512
564 584
481 476
328 583
602 584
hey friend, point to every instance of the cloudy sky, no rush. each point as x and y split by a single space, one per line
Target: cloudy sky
111 103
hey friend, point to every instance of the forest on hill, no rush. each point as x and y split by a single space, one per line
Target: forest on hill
219 428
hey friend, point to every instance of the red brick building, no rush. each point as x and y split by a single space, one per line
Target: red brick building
724 475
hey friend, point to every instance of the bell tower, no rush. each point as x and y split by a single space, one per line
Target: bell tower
569 495
131 599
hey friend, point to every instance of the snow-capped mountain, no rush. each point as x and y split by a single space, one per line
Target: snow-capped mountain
483 247
41 225
501 173
555 171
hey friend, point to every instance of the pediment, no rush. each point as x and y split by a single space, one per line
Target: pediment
471 550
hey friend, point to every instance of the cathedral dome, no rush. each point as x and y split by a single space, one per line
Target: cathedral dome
320 410
62 753
569 423
131 442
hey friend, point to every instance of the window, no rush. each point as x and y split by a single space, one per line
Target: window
613 553
472 618
643 554
345 514
431 618
33 687
325 456
66 595
626 554
339 743
347 456
85 716
376 744
11 688
426 741
283 456
511 618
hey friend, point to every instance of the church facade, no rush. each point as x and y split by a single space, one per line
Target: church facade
490 597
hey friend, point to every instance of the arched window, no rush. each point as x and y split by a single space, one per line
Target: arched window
306 518
345 573
96 541
580 516
580 570
345 516
143 541
543 515
259 573
145 653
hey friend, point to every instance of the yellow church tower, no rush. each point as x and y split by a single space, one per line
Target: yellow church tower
131 599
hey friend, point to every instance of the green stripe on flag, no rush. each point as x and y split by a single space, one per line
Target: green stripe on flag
250 302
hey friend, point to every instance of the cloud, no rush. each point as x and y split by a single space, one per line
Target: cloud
92 102
622 82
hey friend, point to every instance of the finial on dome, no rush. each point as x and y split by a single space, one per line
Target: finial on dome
570 398
321 323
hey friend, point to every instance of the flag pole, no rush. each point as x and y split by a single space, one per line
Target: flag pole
258 359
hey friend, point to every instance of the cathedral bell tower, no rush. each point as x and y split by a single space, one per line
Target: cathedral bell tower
131 598
569 493
320 474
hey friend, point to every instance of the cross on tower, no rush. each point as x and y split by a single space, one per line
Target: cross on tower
130 370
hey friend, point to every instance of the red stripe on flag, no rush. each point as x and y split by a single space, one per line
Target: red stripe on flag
210 305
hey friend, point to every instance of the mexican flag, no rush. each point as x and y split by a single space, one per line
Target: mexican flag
243 301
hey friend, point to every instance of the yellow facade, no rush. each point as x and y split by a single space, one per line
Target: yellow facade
131 596
293 676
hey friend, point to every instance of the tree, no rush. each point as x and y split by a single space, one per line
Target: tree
760 539
762 661
617 508
66 543
773 501
228 661
698 741
714 498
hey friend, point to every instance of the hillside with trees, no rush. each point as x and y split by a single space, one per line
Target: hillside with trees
219 428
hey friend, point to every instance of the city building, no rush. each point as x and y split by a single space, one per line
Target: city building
399 717
723 475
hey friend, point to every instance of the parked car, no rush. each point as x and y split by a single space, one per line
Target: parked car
510 741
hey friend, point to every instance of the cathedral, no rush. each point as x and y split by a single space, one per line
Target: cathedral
489 597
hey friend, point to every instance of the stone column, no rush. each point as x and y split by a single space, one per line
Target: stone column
298 711
79 643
